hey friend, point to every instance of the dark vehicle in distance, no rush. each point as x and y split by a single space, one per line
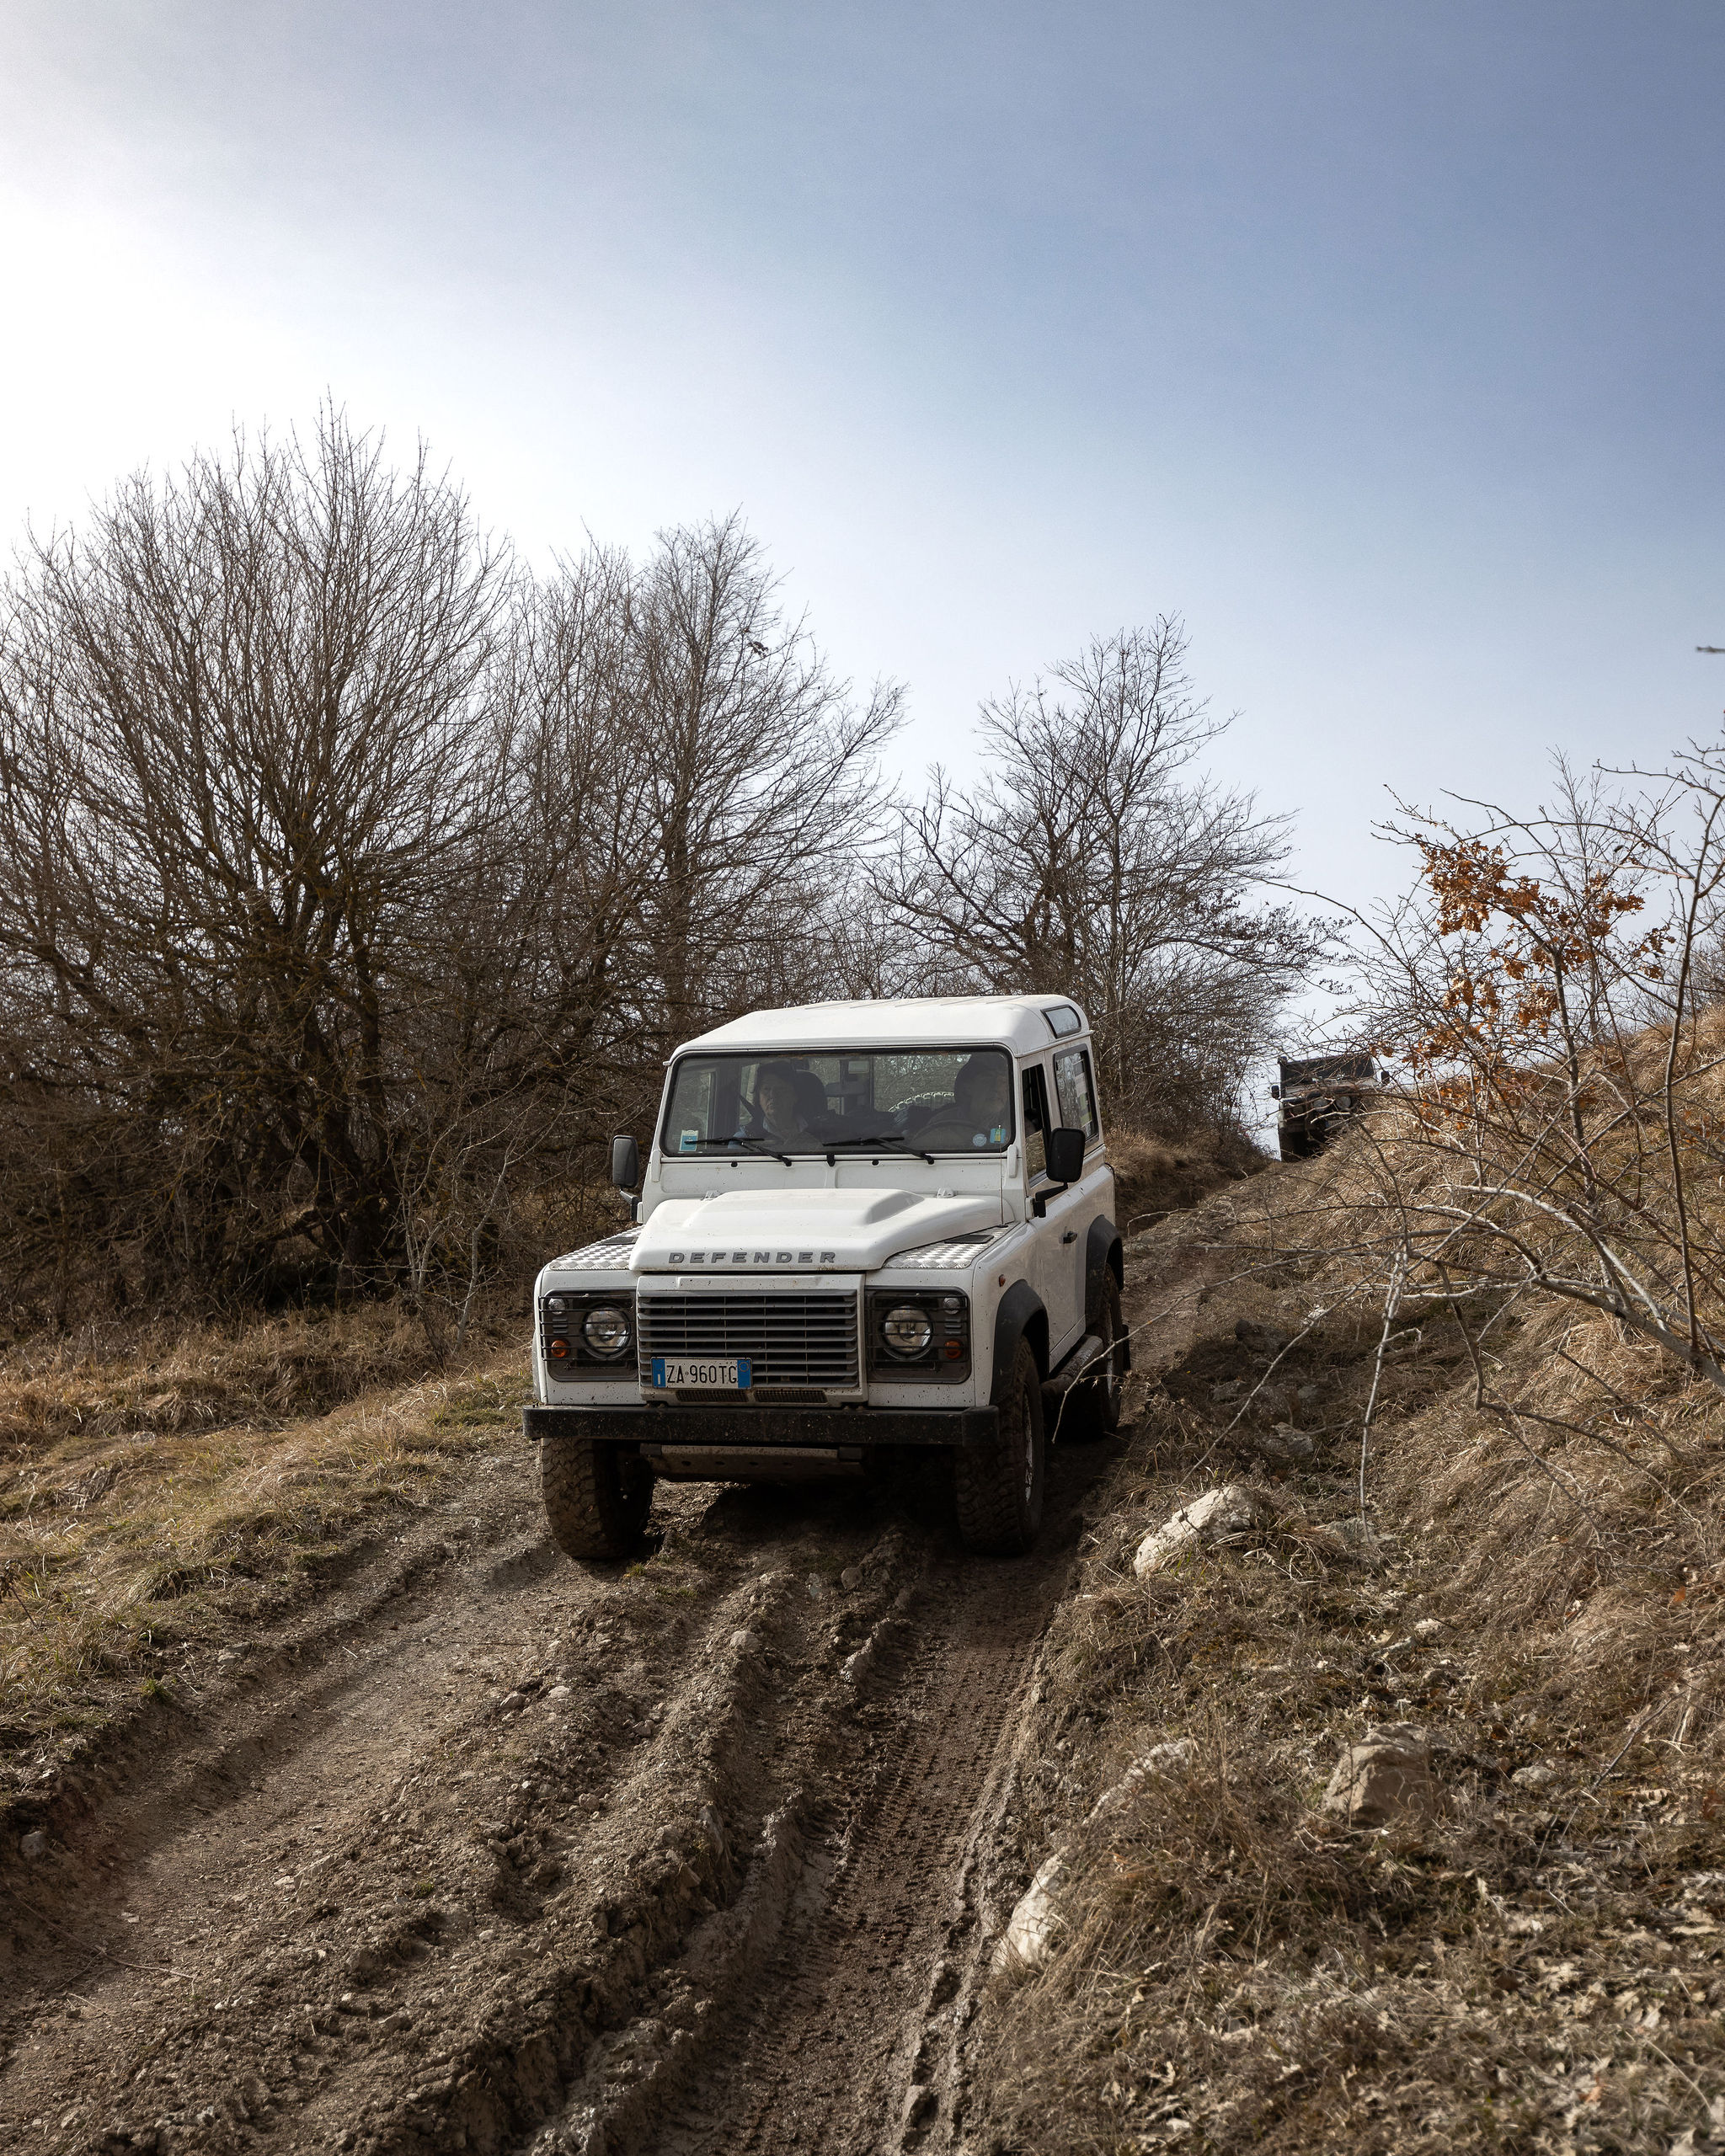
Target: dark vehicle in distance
1317 1095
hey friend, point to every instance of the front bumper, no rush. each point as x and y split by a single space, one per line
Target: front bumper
760 1428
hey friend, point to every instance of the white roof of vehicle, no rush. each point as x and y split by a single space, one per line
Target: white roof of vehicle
1013 1022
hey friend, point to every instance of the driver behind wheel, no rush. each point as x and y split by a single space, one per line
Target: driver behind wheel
981 1093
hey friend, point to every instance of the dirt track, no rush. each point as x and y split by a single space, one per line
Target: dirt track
496 1852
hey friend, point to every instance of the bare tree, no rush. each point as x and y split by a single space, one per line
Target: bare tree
1094 858
238 724
688 790
353 883
758 776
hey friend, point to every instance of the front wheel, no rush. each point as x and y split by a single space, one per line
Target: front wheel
597 1497
998 1485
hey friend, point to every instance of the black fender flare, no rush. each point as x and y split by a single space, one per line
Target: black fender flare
1019 1315
1103 1254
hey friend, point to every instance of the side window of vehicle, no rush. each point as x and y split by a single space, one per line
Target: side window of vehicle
1035 1122
1076 1093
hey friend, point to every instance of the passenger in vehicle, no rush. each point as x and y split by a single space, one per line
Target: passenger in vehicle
979 1115
811 1100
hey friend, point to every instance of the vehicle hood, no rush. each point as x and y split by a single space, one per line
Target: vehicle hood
831 1230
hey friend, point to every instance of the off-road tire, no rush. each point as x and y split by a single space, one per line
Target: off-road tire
998 1487
597 1497
1092 1408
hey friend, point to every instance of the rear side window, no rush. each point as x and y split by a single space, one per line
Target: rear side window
1035 1121
1076 1093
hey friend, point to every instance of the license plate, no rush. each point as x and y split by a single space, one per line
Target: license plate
673 1372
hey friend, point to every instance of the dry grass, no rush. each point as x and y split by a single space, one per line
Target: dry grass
1580 1514
1155 1176
1539 1968
192 1481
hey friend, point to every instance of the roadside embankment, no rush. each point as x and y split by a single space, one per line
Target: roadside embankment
1397 1829
1157 1175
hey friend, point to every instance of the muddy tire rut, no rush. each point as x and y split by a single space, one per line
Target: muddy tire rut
497 1851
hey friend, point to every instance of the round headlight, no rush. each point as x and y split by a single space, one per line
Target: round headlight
606 1330
906 1330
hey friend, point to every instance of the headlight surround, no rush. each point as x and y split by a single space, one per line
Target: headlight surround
919 1335
588 1334
607 1331
906 1330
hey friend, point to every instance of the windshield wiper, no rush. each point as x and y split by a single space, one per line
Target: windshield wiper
749 1146
887 1138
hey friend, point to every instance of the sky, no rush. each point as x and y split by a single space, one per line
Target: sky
1382 344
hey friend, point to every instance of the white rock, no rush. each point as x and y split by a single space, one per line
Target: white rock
34 1846
1230 1509
744 1642
1429 1628
817 1586
1029 1938
1537 1776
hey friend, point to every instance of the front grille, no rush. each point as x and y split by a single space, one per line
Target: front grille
804 1341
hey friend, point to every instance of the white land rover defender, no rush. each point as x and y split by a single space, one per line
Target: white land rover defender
863 1226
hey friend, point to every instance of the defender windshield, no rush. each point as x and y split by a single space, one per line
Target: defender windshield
922 1100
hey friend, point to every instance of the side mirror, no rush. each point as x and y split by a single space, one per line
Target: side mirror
625 1163
1066 1155
1275 1093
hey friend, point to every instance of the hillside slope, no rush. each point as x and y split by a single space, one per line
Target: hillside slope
1521 1949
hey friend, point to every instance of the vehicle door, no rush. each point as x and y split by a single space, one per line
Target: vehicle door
1074 1108
1057 1280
